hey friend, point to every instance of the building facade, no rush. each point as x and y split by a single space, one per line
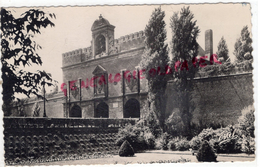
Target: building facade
104 79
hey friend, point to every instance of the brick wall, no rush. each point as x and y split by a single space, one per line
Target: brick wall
218 100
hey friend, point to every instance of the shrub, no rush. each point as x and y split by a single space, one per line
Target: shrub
162 141
171 145
174 124
180 144
207 134
214 144
246 121
149 139
195 143
151 121
248 145
139 136
126 149
227 146
206 153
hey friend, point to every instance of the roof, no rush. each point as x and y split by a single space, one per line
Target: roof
101 22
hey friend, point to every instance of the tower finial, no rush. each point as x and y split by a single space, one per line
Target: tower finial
100 17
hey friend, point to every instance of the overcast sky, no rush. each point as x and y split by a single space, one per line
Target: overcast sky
73 27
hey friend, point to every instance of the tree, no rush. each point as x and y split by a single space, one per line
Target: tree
36 110
154 60
184 51
19 50
243 46
223 51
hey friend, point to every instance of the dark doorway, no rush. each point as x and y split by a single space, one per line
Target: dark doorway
132 109
75 111
102 110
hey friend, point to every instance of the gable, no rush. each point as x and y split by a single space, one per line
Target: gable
99 70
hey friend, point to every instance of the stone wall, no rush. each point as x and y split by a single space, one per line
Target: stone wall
53 106
218 100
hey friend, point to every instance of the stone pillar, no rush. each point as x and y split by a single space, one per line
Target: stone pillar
208 43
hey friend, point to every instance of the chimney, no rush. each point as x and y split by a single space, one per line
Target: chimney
208 43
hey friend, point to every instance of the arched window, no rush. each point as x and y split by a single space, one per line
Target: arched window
102 110
100 44
75 111
132 109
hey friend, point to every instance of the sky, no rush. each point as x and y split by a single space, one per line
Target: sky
73 27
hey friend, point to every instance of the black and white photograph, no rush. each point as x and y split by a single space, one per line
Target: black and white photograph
128 84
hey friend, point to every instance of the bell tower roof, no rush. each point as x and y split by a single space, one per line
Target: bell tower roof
100 23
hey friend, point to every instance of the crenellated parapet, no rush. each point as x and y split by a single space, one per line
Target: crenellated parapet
76 56
124 43
130 41
72 57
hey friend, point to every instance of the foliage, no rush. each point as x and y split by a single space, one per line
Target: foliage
231 139
244 66
223 51
195 143
156 56
149 139
246 121
184 49
36 110
162 142
243 46
178 143
248 145
139 136
151 121
175 124
18 48
226 68
207 134
126 149
206 153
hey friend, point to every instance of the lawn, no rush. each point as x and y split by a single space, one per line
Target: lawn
155 156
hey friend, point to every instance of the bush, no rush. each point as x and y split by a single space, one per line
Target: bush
149 140
206 153
171 145
246 121
175 125
248 145
227 146
214 143
180 144
151 121
126 150
162 141
207 134
140 137
195 143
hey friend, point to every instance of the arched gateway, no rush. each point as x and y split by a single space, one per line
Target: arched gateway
132 109
102 110
75 111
